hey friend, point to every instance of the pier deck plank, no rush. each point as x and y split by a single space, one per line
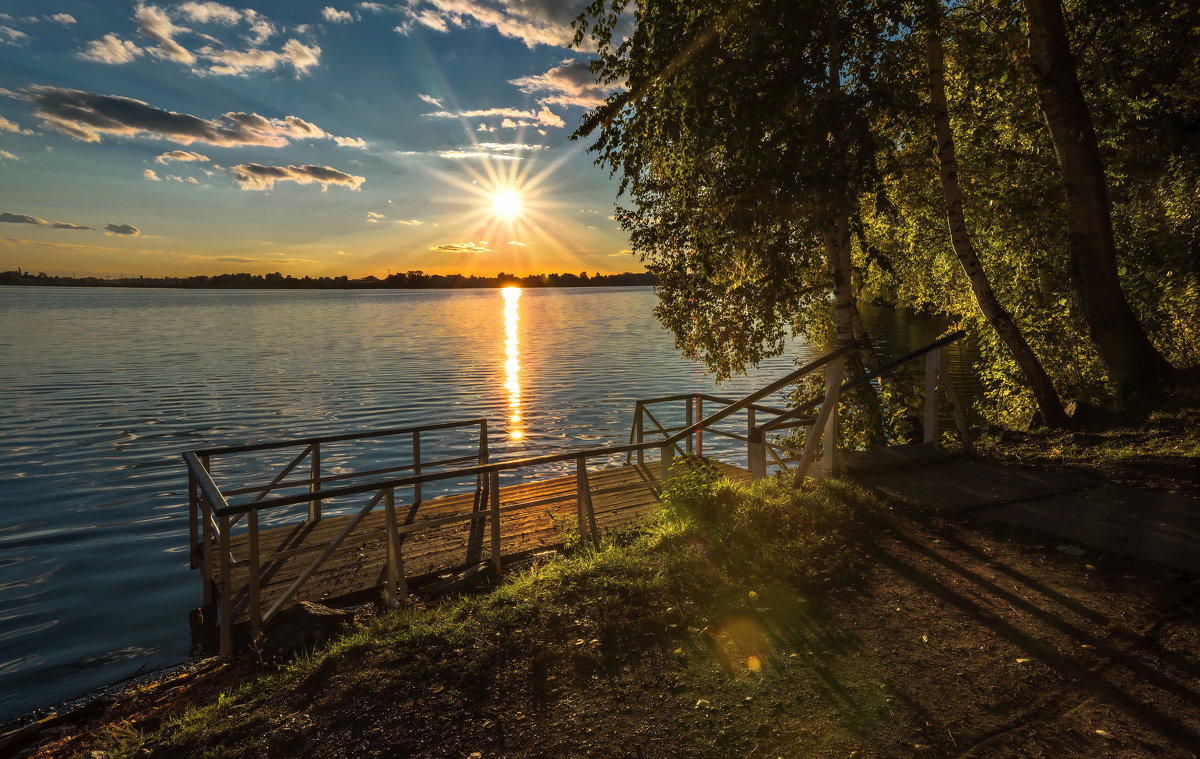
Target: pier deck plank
621 496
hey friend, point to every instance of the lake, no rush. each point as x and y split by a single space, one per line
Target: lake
105 388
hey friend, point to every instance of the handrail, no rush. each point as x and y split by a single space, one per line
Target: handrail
206 483
552 458
338 438
865 378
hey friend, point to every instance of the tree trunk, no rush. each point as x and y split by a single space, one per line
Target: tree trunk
837 254
997 316
1132 360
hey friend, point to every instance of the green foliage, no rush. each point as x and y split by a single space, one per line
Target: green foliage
733 149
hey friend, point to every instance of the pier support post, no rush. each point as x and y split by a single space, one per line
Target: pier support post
255 577
397 583
932 359
960 415
756 450
314 506
494 505
224 592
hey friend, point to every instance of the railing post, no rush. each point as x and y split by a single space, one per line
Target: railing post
494 499
932 359
667 453
193 520
255 573
831 461
314 506
699 432
225 591
960 416
641 434
416 454
206 552
687 422
824 428
397 584
756 451
583 497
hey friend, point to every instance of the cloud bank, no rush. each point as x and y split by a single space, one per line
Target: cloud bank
87 116
20 218
256 176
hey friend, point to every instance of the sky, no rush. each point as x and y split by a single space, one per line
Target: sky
353 138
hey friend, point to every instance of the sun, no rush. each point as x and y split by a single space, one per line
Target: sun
507 203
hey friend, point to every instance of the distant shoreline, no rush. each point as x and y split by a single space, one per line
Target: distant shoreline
412 280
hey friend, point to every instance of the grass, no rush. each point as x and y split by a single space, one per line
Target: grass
679 591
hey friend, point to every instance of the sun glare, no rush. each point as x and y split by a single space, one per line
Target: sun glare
507 203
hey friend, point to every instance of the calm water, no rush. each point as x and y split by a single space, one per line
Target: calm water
104 388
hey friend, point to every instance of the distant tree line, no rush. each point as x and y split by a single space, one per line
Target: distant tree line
276 281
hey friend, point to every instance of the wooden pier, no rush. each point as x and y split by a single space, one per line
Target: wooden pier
621 496
264 546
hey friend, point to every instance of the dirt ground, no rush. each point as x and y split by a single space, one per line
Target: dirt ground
956 641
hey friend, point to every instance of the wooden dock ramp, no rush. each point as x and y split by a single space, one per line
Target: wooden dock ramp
263 544
621 496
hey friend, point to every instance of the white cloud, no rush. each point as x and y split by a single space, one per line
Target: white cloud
256 176
534 22
11 36
9 126
66 19
350 142
373 217
568 83
409 222
435 102
152 175
459 154
508 147
111 49
154 24
9 156
336 16
295 53
186 156
547 117
208 12
462 247
87 116
512 117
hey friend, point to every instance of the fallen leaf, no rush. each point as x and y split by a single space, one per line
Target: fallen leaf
1022 661
1105 734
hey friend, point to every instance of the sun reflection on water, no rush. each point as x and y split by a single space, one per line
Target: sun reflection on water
512 363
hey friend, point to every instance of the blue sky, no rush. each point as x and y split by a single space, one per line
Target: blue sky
310 138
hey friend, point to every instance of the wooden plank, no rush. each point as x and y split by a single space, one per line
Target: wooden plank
621 497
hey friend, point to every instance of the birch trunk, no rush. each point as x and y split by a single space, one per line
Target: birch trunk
995 313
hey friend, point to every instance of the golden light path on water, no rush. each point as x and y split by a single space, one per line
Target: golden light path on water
512 360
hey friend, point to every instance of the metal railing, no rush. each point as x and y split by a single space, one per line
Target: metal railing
212 516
